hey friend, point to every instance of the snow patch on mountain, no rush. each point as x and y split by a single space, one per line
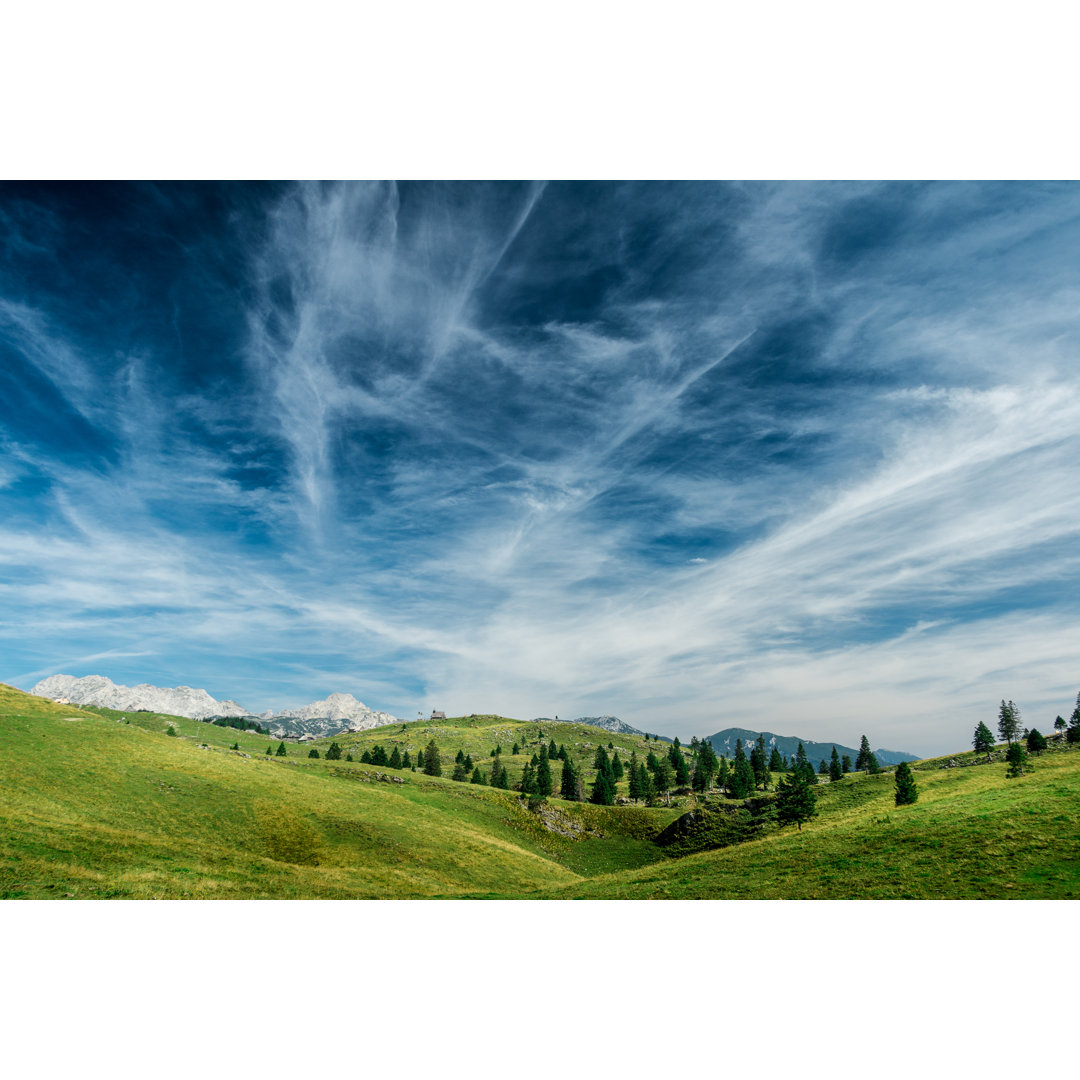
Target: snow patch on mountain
99 690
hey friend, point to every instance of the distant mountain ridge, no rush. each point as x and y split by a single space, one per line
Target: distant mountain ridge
333 715
723 742
607 723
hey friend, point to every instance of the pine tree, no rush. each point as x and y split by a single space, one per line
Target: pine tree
570 786
634 778
1059 724
281 748
501 781
616 767
836 770
906 792
313 752
553 751
803 767
515 749
680 770
378 756
432 761
1008 721
983 740
742 775
845 763
334 753
172 731
1036 741
348 757
862 762
528 779
544 784
662 777
602 792
562 752
822 768
235 745
269 748
459 772
405 762
477 776
796 799
1016 756
419 759
776 762
1072 733
723 776
460 759
365 757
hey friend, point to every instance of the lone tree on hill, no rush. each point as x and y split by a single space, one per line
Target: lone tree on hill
1008 721
906 792
983 740
1036 741
1017 759
432 761
866 756
796 799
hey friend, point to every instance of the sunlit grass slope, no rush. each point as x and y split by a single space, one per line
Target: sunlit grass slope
973 834
99 803
93 807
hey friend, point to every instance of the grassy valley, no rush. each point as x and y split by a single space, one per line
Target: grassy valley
98 803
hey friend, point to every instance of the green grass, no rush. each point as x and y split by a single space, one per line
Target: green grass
98 803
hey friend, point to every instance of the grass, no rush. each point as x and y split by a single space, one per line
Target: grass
98 803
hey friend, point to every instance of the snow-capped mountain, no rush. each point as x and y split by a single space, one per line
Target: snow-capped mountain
98 690
331 716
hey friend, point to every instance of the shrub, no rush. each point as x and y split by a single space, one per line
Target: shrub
313 752
171 731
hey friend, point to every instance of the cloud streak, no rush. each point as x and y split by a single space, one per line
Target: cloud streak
789 456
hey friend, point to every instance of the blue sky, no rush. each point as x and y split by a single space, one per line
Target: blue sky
800 457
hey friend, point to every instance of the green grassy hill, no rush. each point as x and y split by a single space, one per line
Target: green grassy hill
100 803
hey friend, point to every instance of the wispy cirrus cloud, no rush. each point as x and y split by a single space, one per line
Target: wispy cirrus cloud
695 454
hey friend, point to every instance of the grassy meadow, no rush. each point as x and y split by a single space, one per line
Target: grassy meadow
98 803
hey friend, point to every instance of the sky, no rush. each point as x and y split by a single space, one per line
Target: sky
796 457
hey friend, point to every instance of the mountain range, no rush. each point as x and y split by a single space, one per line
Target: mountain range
608 723
723 742
331 716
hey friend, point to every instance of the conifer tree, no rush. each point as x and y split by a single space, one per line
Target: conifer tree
528 779
1016 757
501 781
269 748
378 756
553 751
634 778
616 767
334 753
983 742
281 749
680 770
602 791
796 799
235 745
405 762
742 775
650 762
862 762
562 752
544 784
477 776
906 792
460 759
776 762
348 757
515 749
1059 724
459 772
836 770
570 787
845 763
365 757
419 758
1072 733
723 776
313 752
803 767
662 777
432 761
823 769
1036 741
1008 721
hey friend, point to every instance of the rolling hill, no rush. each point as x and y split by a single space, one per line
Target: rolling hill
100 803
